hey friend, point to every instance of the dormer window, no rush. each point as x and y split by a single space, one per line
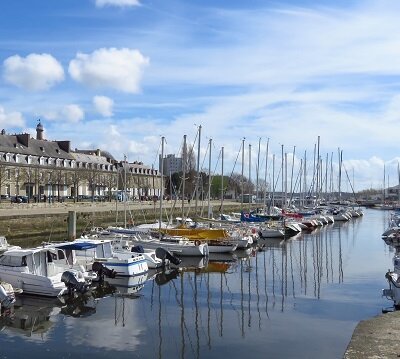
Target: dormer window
41 148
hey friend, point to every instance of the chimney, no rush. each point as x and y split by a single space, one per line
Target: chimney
23 139
64 145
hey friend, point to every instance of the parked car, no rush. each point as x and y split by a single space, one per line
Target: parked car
19 199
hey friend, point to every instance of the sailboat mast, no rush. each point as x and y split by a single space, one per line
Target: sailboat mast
242 184
197 173
305 179
282 186
285 179
273 180
291 177
125 196
384 182
340 174
209 180
265 175
183 177
161 182
222 180
250 192
318 172
258 167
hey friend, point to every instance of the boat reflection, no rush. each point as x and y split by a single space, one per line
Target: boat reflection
241 291
128 285
30 317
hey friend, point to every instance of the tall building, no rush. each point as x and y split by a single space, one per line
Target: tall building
171 164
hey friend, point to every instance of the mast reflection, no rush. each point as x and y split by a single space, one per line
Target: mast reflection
208 295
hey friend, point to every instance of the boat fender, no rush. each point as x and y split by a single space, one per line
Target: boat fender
197 242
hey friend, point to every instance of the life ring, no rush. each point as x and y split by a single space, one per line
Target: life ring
197 242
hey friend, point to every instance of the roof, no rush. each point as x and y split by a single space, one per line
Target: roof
13 144
83 157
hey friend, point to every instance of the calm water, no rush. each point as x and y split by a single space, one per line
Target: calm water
296 299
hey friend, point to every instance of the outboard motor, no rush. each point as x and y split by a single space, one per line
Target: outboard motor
137 249
102 271
6 300
72 283
163 254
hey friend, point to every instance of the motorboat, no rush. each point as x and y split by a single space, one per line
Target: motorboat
35 272
90 250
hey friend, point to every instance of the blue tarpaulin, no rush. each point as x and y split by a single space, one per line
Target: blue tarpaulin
82 246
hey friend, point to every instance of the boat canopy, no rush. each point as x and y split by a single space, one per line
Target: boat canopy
80 246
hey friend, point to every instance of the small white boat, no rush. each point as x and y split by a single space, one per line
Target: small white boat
123 247
271 232
221 246
35 272
99 250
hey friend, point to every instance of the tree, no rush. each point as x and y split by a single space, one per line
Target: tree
4 180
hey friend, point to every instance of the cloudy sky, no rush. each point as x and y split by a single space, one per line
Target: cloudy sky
119 74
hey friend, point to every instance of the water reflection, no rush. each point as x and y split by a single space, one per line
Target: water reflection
219 306
31 317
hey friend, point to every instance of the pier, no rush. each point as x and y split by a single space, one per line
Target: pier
376 338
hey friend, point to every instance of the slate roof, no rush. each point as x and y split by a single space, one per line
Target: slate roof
12 144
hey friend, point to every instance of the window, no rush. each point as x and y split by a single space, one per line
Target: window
12 261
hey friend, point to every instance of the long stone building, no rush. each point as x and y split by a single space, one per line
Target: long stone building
40 169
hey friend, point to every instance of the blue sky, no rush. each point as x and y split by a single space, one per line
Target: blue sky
118 74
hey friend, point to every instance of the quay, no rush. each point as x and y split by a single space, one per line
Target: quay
24 220
376 338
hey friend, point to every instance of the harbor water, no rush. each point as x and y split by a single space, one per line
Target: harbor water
300 298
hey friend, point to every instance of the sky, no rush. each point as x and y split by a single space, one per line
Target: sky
120 74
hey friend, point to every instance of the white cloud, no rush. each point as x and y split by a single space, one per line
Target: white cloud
119 69
12 119
33 73
70 113
104 105
73 113
119 3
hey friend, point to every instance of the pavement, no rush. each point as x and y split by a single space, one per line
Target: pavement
376 338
